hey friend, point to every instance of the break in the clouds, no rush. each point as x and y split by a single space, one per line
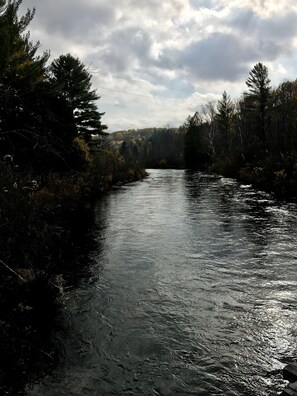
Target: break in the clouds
155 62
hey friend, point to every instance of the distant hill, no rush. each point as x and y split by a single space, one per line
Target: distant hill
117 138
150 147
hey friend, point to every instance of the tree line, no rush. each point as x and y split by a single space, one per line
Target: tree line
43 108
253 138
150 147
50 164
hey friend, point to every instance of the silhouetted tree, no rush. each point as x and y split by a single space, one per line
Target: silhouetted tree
22 75
225 113
209 113
195 148
73 82
258 83
283 113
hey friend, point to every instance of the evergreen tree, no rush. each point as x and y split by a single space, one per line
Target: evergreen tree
18 61
283 117
259 93
225 108
73 82
36 126
22 74
195 148
210 118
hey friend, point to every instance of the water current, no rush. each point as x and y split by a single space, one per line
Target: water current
191 290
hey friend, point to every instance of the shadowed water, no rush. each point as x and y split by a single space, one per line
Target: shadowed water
192 291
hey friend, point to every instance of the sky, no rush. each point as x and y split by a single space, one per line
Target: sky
155 62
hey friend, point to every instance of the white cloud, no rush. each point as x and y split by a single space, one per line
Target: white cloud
155 62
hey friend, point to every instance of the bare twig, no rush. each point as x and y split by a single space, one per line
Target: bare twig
12 271
35 347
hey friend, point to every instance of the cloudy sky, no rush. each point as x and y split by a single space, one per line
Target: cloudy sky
154 62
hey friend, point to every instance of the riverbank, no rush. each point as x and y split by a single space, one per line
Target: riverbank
290 374
41 220
155 312
271 174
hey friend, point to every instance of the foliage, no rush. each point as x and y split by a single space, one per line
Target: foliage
165 149
35 124
23 233
225 114
41 110
259 95
254 138
83 150
47 169
21 75
195 148
150 147
19 65
73 82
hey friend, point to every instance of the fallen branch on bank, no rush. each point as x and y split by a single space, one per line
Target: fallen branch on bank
12 271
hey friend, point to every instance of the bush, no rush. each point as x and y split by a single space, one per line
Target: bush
24 235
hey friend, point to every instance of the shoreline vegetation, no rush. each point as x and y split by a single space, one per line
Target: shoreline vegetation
166 148
55 157
40 222
54 161
252 139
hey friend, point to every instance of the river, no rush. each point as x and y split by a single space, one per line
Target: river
191 290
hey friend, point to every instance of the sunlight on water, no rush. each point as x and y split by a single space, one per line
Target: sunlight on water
192 292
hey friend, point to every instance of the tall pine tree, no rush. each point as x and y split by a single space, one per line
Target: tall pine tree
259 94
73 82
225 108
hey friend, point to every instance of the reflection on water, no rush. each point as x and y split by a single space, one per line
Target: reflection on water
192 290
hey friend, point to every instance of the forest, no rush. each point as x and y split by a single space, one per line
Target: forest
253 138
150 147
55 156
53 160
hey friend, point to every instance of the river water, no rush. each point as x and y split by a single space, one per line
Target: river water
191 290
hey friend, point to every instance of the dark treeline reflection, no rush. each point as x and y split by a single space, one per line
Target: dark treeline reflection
233 204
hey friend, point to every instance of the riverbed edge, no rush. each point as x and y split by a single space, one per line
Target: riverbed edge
32 297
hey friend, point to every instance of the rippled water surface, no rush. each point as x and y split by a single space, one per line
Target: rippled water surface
192 291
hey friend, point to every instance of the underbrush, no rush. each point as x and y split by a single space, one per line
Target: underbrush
39 215
277 174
